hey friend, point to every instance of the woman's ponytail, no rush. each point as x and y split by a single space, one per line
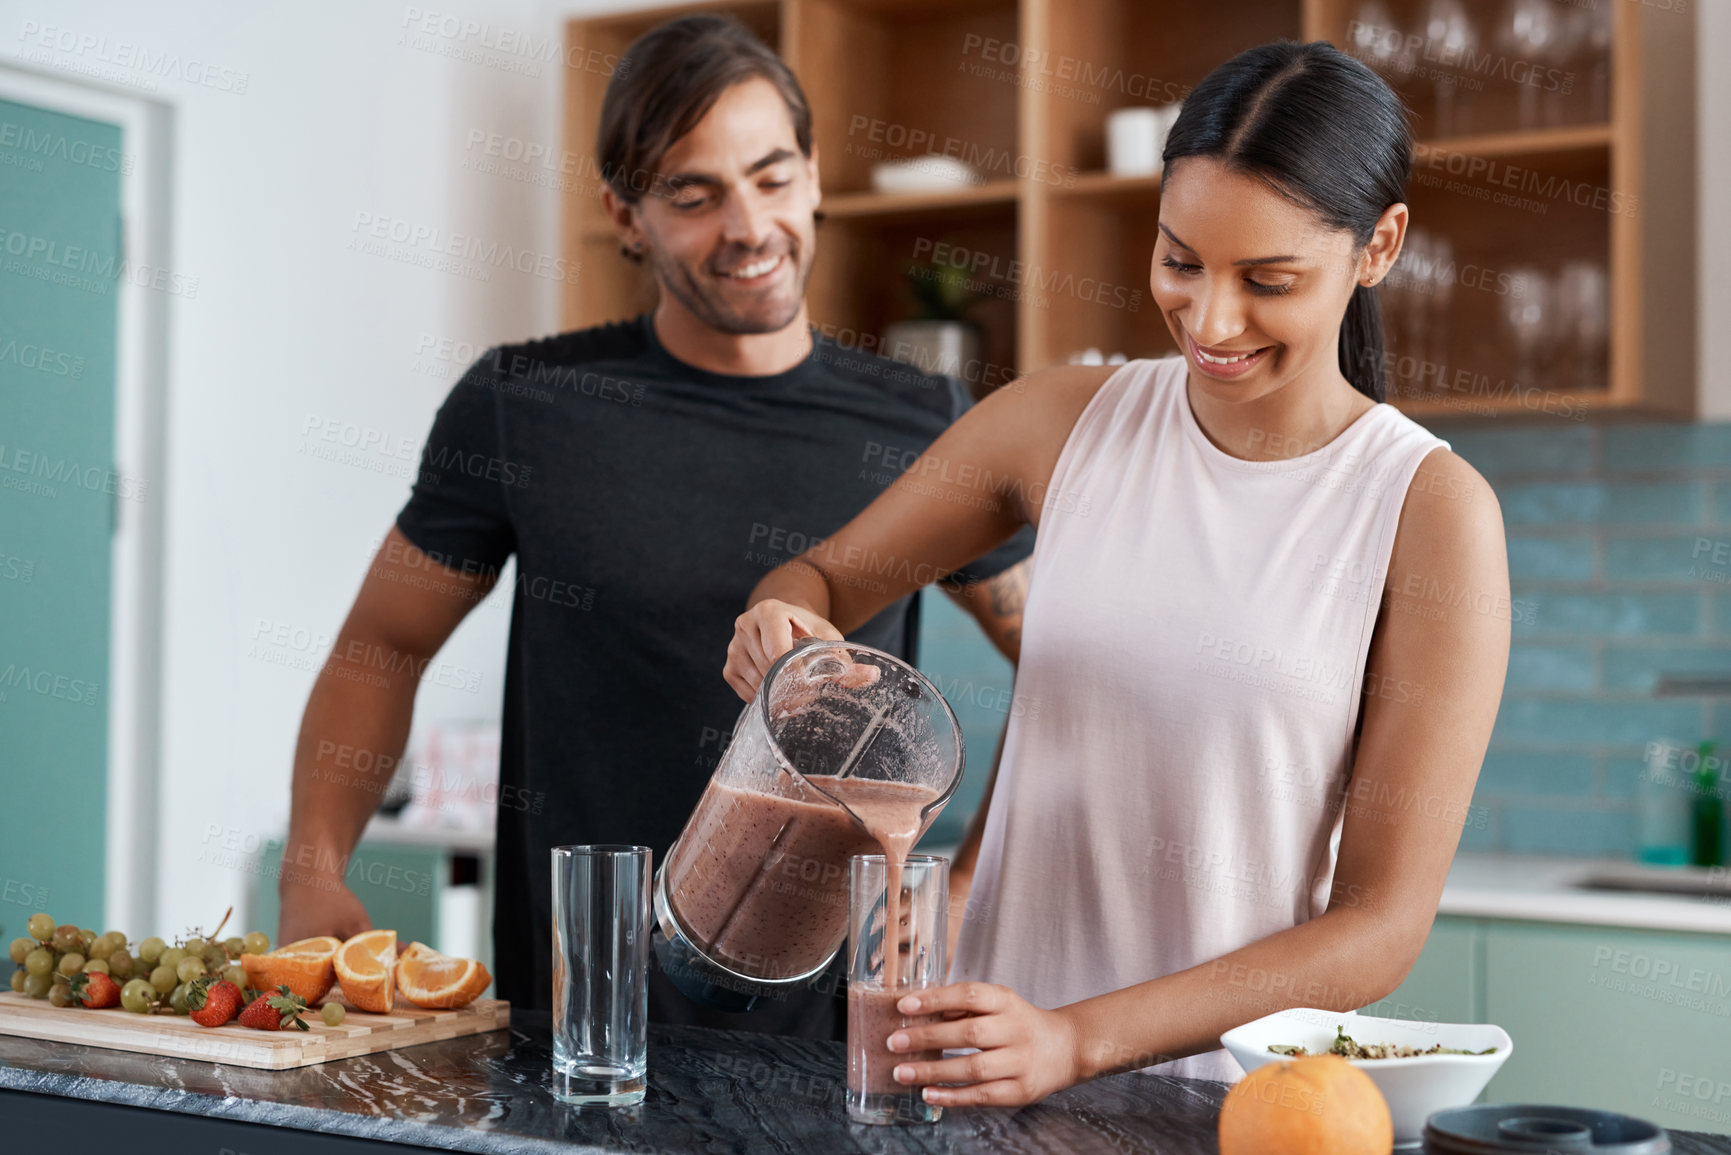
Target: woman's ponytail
1361 348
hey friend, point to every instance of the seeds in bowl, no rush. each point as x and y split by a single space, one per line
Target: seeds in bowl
1346 1047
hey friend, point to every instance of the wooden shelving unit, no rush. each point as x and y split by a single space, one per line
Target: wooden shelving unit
1021 90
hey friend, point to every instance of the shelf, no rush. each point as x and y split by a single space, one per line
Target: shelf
887 83
1009 86
1535 404
1107 186
913 10
860 277
761 16
1533 142
868 205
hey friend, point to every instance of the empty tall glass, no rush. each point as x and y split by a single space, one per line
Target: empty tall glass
600 973
897 933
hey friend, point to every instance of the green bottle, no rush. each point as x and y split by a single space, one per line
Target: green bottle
1709 811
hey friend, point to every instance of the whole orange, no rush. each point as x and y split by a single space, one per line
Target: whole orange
1317 1105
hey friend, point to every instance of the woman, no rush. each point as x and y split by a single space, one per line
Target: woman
1265 634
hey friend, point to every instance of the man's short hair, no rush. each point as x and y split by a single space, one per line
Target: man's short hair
668 80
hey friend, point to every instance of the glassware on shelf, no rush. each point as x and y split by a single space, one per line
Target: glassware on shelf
1529 311
1451 40
1558 81
1527 31
1376 39
1598 28
1583 295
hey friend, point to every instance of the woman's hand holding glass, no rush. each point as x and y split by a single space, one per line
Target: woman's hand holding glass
1025 1053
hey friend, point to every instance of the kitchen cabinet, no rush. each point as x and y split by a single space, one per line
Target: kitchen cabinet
1623 1019
1446 983
1544 173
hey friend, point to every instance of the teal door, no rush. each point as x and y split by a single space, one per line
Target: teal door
60 253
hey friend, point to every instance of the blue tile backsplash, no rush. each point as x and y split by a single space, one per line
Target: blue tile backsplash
1620 551
1620 560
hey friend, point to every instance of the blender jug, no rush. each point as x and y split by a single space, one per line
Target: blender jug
845 750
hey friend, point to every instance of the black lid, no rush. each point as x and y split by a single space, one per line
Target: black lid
1538 1130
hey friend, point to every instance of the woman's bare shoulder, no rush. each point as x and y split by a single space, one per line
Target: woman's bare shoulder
1023 426
1451 522
1065 384
1048 401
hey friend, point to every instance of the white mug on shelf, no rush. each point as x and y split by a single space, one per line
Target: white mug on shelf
1168 117
1133 139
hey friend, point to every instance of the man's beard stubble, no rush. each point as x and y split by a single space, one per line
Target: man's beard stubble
708 307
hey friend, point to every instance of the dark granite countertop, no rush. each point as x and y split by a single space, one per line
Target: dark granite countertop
709 1091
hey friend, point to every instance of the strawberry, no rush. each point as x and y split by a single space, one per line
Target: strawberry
274 1012
95 990
212 1001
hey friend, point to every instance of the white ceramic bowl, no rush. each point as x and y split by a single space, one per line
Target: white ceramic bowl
1414 1087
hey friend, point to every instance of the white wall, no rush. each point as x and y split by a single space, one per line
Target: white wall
291 327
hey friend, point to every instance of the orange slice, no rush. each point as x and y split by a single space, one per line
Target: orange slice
438 982
364 966
303 967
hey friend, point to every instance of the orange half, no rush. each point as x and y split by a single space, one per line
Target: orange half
439 982
303 967
364 967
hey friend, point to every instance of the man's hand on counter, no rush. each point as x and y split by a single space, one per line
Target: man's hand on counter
317 905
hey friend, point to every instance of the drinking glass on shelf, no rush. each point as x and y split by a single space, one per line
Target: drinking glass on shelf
1561 55
1597 20
1451 40
1529 312
1528 29
1376 39
1584 323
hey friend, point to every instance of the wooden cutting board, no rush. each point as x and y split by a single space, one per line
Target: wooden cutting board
359 1034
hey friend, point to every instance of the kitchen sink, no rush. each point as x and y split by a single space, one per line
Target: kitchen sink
1712 882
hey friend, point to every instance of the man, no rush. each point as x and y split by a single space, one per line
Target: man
645 475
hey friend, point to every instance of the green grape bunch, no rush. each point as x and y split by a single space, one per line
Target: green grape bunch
154 975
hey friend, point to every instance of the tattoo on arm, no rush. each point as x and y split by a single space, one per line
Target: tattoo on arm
1009 591
997 604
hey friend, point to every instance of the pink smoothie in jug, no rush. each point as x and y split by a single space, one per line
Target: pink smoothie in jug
759 881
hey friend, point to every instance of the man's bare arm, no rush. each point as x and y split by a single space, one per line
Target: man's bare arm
356 724
996 603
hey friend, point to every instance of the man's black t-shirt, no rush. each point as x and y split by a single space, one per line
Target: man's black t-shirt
643 499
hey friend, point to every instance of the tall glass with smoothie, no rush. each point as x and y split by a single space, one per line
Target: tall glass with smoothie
845 750
898 919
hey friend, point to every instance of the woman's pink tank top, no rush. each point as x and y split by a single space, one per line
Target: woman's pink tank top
1193 654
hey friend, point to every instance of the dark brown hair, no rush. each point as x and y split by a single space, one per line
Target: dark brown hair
668 79
1326 132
